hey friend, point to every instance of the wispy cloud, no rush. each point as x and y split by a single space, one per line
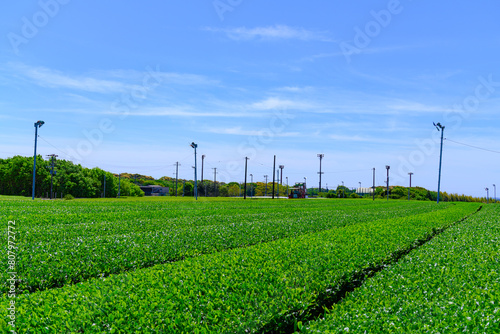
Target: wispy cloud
51 78
272 33
276 103
239 131
111 81
181 112
418 107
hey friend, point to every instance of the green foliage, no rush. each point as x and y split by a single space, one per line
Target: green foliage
100 237
16 179
235 287
68 197
449 285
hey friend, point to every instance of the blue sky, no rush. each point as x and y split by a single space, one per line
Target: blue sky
127 86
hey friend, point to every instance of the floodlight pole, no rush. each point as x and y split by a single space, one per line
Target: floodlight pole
281 176
278 181
202 159
251 185
287 191
266 184
245 187
387 167
410 185
440 127
360 187
487 195
495 189
193 145
176 177
274 167
37 125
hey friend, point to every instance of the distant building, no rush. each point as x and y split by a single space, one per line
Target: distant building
154 190
363 191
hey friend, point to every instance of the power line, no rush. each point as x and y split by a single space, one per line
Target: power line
476 147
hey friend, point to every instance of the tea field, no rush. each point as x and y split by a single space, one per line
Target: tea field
164 265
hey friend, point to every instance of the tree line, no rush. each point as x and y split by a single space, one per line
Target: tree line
16 179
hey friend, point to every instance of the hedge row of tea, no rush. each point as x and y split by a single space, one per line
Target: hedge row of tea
449 285
239 290
67 242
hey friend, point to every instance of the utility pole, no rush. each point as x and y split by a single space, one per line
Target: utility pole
245 187
278 181
52 173
495 189
440 127
266 183
387 167
251 185
274 167
373 187
176 176
202 159
410 186
281 176
487 195
320 156
119 183
215 181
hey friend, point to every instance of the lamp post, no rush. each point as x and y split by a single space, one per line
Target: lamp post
440 127
387 167
373 187
487 195
495 194
37 125
245 187
287 193
410 185
251 185
193 145
359 187
266 184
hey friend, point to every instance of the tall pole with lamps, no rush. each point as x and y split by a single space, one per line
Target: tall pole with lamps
37 125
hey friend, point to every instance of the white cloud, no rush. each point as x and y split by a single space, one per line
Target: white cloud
113 81
242 132
274 103
272 32
180 112
51 78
